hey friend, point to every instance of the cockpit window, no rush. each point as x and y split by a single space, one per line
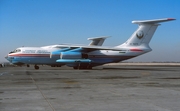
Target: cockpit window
17 50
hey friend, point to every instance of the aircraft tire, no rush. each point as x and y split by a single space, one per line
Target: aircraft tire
52 65
36 67
89 68
75 67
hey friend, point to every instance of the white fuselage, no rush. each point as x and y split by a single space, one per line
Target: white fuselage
45 55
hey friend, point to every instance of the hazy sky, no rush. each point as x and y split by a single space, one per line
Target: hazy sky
48 22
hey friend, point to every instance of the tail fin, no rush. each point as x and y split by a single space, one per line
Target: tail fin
144 32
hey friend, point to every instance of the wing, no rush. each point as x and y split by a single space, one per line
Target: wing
91 48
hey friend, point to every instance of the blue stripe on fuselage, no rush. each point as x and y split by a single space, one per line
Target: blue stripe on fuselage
45 58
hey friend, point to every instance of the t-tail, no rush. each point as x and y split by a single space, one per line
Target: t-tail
142 36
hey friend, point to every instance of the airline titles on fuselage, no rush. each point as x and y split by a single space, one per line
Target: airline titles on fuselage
36 52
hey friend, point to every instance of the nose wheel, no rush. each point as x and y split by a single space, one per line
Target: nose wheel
36 67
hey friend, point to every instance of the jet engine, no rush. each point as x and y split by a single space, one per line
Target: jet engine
73 55
55 54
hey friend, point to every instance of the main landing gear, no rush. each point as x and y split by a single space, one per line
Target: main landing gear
56 65
36 67
88 68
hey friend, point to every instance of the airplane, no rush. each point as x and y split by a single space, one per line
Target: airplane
86 57
40 55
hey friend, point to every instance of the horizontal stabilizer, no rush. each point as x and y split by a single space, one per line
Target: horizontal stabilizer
155 21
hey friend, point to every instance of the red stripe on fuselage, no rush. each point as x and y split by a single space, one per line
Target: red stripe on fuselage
136 50
30 55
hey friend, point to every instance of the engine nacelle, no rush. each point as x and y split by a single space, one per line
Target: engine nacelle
73 55
55 54
67 61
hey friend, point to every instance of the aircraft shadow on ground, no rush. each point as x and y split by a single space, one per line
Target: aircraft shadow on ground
129 68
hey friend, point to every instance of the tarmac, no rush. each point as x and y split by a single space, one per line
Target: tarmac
105 88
